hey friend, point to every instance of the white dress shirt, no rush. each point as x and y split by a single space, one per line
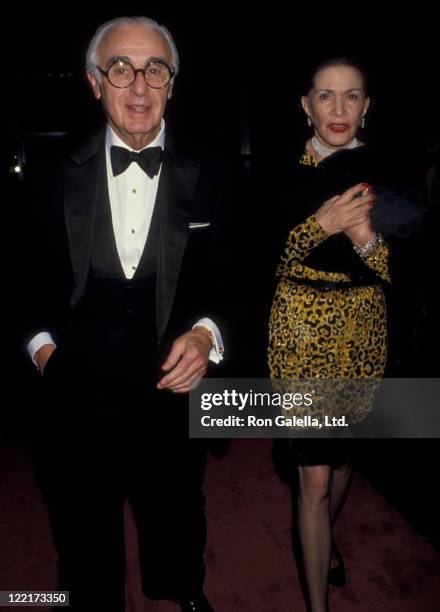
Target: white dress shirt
132 196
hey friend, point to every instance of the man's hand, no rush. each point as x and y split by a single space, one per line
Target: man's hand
42 356
187 362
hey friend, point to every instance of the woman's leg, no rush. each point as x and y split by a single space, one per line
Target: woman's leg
315 531
339 487
340 481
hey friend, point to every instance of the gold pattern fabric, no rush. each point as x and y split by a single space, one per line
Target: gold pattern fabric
328 333
378 260
308 160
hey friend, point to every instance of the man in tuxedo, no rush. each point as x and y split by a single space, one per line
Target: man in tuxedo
125 312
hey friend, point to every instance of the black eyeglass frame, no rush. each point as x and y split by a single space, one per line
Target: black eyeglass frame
143 71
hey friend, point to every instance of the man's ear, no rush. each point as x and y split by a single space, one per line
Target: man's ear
94 85
170 91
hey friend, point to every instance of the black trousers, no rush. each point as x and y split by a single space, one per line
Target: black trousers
106 435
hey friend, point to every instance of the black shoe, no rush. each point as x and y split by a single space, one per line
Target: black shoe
198 604
336 575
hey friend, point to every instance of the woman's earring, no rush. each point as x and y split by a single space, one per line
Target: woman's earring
309 120
363 122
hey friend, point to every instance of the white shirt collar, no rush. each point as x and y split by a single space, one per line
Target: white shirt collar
111 138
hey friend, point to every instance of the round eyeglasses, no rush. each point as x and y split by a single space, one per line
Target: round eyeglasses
122 74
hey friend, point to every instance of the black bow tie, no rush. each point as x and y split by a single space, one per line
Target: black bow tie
149 159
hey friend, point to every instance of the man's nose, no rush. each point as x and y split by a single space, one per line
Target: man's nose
139 85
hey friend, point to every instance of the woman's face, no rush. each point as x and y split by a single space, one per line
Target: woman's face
336 104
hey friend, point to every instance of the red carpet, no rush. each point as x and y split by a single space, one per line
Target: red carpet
250 567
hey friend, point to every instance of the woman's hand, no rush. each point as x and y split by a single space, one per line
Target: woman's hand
360 234
347 211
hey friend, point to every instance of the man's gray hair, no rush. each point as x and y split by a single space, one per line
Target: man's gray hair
123 22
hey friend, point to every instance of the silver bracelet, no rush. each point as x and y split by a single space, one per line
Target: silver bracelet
365 250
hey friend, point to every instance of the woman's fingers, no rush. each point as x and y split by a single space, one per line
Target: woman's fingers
358 220
358 202
338 212
356 215
359 213
353 192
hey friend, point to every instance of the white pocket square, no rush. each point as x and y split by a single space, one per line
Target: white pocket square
199 225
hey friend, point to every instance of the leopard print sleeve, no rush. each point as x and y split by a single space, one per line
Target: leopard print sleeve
378 260
302 239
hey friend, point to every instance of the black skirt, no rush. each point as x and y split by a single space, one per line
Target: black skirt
314 451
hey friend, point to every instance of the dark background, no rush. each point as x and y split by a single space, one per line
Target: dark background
239 86
238 68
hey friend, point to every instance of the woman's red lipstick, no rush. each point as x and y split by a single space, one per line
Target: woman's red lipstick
338 127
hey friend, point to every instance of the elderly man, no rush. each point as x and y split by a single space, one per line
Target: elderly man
127 286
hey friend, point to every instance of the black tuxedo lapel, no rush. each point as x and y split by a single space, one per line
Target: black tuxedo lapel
86 174
175 193
82 179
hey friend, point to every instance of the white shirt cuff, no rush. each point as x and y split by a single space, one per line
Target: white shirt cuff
37 342
216 353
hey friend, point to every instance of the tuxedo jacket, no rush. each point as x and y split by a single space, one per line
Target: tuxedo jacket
196 194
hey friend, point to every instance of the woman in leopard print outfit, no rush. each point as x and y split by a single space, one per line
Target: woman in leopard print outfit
329 313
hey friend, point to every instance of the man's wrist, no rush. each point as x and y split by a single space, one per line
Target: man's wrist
42 356
206 333
217 350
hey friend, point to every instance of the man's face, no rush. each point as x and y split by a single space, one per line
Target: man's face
135 112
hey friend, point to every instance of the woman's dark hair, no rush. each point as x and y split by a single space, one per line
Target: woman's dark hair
339 60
